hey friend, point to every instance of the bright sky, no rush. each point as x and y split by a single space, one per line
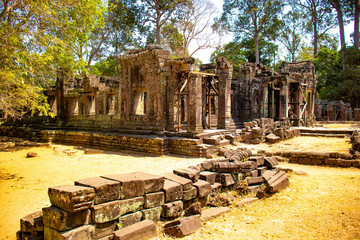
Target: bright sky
204 55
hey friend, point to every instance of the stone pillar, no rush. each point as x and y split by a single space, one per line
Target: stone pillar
195 104
284 100
224 70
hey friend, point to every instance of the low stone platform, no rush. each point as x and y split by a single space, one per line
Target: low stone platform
176 143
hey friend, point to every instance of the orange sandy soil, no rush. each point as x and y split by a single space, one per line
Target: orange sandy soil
24 181
306 144
323 205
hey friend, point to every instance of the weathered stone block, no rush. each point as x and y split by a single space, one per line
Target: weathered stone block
210 213
131 205
172 210
106 212
261 170
227 167
105 190
62 220
338 162
247 165
32 222
255 188
129 219
270 162
104 229
254 180
153 183
173 191
131 186
204 188
335 155
355 163
208 176
193 209
154 199
258 159
86 232
185 182
152 214
268 174
72 198
189 173
183 227
190 194
346 156
278 184
216 187
225 179
142 230
311 161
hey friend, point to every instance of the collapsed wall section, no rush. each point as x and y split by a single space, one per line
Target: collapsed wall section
124 206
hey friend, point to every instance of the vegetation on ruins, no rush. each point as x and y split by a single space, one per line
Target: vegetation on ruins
45 41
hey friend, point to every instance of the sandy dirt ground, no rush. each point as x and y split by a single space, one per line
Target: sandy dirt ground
24 181
308 144
322 205
328 199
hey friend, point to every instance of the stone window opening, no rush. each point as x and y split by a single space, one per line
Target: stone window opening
90 106
140 103
110 104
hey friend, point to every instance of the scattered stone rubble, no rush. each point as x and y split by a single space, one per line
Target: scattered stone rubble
265 129
335 111
355 141
125 206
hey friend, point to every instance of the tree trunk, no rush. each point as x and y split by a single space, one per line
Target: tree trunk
315 42
257 54
356 25
158 23
336 4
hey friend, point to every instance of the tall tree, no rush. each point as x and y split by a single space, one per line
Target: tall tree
292 32
195 23
39 41
321 18
356 23
158 12
257 19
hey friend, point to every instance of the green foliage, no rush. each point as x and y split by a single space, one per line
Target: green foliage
106 67
41 40
239 53
334 83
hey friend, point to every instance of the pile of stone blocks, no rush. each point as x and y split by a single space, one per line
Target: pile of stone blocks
125 206
265 129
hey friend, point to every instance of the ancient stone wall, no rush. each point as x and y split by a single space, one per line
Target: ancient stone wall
118 205
289 93
333 111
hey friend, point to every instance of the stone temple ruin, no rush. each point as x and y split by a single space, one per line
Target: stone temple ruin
156 93
162 105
